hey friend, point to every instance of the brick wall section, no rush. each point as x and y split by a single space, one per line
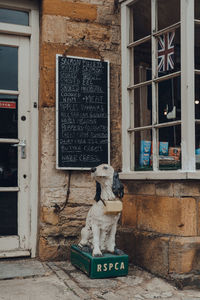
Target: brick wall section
86 28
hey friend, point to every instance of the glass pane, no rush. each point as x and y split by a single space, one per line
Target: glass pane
197 97
8 165
142 62
170 148
14 16
9 68
143 106
169 59
197 145
143 141
8 116
8 213
168 13
141 19
197 46
197 9
169 100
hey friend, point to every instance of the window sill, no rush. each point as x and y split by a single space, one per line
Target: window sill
159 175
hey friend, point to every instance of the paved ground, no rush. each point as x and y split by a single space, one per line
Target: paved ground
32 280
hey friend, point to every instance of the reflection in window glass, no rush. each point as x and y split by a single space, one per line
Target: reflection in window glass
169 59
169 100
8 165
168 13
197 97
170 148
9 68
197 145
141 19
14 16
8 213
8 116
197 9
142 62
197 46
143 150
143 106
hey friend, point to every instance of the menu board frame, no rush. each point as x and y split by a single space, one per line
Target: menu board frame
58 165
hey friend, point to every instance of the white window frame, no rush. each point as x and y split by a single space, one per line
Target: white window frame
187 73
31 31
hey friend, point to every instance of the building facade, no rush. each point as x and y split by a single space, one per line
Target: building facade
153 51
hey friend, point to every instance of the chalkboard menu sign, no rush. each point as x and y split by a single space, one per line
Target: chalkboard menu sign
82 112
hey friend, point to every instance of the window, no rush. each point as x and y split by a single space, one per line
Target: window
160 87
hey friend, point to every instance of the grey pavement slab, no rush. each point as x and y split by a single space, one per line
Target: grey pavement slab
32 280
21 268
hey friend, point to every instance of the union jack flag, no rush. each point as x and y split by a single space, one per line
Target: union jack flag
166 51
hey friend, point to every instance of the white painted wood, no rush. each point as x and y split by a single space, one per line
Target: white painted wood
148 175
28 99
9 243
34 78
9 189
9 141
187 86
9 92
15 253
155 153
15 29
125 30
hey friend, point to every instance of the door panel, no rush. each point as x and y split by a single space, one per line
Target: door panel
14 140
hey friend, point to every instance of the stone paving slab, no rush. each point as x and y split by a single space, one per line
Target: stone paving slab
62 281
21 268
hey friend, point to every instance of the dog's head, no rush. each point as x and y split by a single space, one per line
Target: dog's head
105 175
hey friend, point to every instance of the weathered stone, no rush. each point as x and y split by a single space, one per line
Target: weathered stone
46 251
48 216
48 146
167 215
139 188
184 254
129 213
73 10
51 196
165 188
82 195
189 189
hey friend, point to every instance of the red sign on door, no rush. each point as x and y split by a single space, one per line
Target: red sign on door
10 104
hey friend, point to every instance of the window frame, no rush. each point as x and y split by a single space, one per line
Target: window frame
187 75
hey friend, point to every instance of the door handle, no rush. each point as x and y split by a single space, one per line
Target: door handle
22 144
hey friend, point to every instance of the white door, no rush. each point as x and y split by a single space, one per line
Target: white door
15 118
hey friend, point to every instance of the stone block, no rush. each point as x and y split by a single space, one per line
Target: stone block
139 188
47 251
184 255
165 188
51 196
145 249
186 189
82 195
76 11
48 216
49 175
48 145
129 212
168 215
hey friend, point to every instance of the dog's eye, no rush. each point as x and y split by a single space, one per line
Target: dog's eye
105 168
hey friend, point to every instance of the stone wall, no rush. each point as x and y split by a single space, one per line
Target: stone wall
86 28
161 226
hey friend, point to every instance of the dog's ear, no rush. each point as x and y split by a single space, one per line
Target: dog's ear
117 187
98 192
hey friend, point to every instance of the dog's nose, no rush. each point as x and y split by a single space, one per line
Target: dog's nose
93 170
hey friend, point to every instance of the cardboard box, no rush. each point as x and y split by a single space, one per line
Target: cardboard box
175 152
145 147
144 159
163 148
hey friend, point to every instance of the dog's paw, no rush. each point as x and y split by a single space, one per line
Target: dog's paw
97 253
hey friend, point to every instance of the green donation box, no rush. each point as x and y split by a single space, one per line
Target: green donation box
108 265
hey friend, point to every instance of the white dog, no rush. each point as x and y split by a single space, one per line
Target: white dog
99 232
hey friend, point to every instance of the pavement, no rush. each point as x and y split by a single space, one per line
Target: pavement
30 279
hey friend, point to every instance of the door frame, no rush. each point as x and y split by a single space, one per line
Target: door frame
31 31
